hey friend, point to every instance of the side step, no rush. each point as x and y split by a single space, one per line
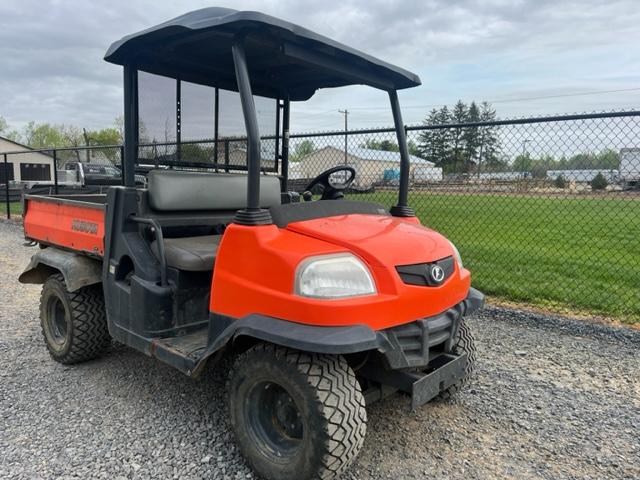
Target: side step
181 352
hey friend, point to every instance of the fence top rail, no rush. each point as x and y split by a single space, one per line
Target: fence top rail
146 144
517 121
61 149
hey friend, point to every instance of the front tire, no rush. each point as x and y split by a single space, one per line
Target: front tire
73 324
464 343
296 415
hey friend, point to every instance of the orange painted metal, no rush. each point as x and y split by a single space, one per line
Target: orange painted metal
255 271
256 266
69 225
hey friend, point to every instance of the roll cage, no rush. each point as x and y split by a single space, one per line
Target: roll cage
253 53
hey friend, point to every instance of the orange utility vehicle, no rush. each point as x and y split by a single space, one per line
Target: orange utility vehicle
324 305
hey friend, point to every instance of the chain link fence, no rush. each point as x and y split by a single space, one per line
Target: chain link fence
544 211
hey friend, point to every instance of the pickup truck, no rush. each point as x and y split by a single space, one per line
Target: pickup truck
86 174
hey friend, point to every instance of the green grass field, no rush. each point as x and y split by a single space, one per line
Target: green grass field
575 254
16 209
579 255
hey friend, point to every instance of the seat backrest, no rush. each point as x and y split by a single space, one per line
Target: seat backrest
173 190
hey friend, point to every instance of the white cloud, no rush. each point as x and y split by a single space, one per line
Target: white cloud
52 67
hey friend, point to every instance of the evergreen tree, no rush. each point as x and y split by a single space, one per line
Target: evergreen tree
459 114
489 141
428 139
471 137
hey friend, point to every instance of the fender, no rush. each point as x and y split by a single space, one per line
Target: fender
78 270
224 330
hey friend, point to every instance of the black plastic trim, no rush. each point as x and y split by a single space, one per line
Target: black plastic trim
312 338
402 211
253 217
420 273
283 215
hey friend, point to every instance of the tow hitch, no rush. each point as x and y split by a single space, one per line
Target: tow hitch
443 372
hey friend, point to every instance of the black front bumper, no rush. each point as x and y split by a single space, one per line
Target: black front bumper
415 344
418 358
444 371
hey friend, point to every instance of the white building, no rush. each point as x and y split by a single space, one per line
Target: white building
24 167
585 175
372 166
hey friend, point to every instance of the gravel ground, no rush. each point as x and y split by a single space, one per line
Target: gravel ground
554 398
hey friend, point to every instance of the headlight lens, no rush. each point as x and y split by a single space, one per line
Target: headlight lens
333 276
457 256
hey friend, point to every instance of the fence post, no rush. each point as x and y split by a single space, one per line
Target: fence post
6 186
226 156
55 171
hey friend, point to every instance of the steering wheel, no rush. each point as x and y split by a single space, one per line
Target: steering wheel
332 182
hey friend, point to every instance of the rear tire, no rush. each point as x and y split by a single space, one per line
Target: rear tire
73 324
296 415
465 343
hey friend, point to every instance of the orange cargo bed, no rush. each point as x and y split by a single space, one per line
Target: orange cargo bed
73 222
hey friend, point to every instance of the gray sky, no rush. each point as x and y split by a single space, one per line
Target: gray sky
505 51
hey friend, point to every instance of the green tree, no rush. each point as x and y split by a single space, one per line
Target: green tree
560 182
7 132
522 163
389 146
44 135
599 182
489 148
472 136
435 144
195 153
301 150
105 136
459 114
455 149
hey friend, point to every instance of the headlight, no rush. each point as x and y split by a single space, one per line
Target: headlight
333 276
457 256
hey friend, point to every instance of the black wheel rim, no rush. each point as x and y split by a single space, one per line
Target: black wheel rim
273 420
57 316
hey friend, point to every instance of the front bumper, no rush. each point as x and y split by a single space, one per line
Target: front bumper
415 344
421 361
444 371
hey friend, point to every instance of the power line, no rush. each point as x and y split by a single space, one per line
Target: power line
510 100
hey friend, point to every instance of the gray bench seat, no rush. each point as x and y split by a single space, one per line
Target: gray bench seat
179 198
193 254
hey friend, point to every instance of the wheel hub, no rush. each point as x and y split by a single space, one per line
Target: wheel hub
57 321
274 419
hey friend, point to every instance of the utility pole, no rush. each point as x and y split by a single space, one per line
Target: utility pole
86 142
524 147
345 112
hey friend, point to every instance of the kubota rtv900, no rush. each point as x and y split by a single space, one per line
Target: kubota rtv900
326 305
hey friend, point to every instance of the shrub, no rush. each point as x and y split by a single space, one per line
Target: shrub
560 182
599 182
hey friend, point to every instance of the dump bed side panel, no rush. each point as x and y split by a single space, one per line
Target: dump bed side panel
71 224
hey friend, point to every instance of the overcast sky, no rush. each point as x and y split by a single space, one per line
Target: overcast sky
508 52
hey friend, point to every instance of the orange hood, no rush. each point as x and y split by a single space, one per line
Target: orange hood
379 240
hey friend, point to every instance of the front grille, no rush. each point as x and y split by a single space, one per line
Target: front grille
421 273
414 344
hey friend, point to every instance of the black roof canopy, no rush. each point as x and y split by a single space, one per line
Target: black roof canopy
283 59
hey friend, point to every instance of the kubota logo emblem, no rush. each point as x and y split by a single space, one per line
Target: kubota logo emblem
84 226
437 273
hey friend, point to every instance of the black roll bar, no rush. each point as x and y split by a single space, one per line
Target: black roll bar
252 214
285 144
130 125
401 209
